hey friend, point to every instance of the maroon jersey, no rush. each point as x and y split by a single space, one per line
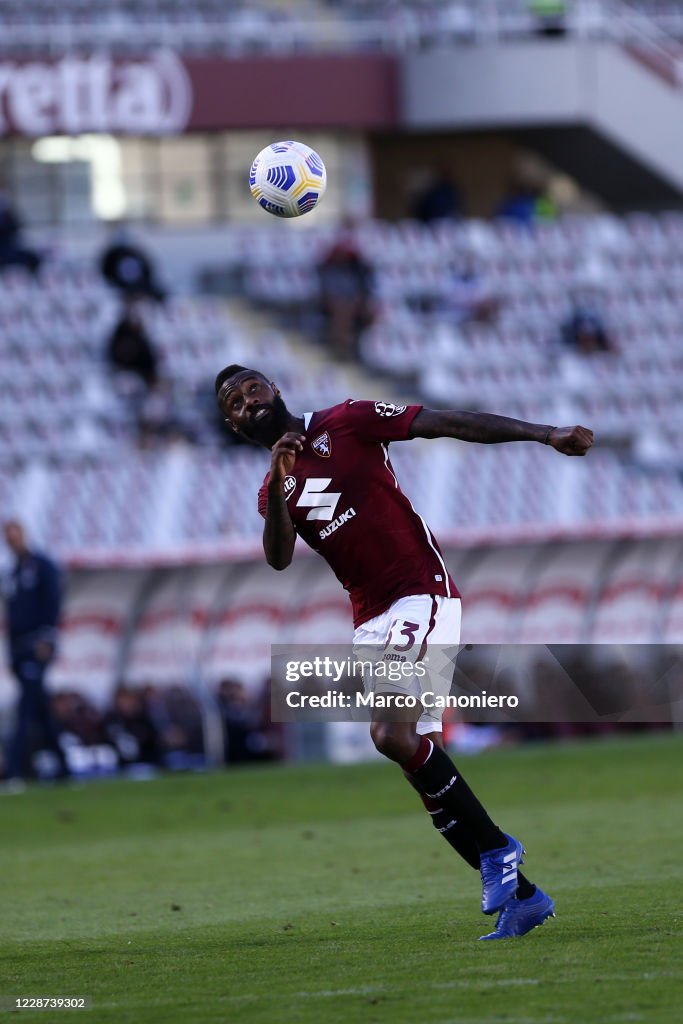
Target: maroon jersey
345 502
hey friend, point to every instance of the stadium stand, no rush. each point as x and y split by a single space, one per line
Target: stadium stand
671 621
629 600
69 436
633 270
196 625
560 597
166 583
491 599
100 609
227 27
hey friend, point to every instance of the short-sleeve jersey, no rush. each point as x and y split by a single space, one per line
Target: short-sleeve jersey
345 502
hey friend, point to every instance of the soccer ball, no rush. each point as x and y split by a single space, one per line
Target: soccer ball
288 179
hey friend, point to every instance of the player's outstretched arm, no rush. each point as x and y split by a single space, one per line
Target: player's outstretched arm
279 535
486 428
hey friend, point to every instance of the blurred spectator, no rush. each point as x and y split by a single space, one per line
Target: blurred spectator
161 418
129 347
183 737
129 269
128 726
526 203
151 399
584 331
468 296
178 722
77 716
346 282
274 732
12 252
34 597
518 204
440 200
243 725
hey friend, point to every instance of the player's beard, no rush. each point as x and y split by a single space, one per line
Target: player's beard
272 428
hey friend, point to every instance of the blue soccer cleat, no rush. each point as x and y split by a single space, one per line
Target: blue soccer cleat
519 916
499 875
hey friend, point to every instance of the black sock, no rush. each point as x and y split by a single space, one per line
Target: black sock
454 832
459 837
434 775
525 888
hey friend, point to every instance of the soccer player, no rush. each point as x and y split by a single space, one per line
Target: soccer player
331 482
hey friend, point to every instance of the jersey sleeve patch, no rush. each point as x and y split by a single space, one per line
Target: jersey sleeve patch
389 409
380 421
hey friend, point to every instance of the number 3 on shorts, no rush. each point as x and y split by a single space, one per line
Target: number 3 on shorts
409 630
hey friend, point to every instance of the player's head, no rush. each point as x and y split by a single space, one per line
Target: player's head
15 536
251 404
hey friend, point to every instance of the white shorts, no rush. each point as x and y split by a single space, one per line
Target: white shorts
422 627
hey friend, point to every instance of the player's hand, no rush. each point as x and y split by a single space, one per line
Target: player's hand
284 455
571 440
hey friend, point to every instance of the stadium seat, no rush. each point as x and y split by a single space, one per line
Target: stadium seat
559 597
491 601
629 608
94 627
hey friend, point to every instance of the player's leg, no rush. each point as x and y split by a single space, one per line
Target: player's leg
523 911
458 835
400 635
432 772
420 624
412 627
435 776
454 832
529 906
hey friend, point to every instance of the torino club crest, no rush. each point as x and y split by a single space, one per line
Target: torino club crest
389 409
322 445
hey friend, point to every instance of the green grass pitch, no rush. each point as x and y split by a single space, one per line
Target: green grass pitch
307 894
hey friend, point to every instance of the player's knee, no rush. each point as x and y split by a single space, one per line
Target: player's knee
394 740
